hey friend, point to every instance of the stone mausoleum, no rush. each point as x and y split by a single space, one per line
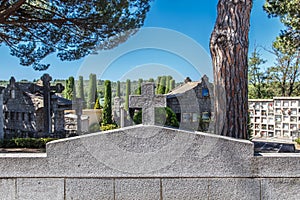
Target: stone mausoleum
191 102
34 110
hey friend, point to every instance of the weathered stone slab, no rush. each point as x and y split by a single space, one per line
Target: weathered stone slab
234 189
280 188
144 151
96 189
138 189
192 189
37 188
280 165
7 189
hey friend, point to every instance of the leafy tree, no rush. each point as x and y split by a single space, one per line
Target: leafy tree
285 73
289 13
70 91
256 76
151 80
107 110
118 89
229 51
72 29
92 92
128 91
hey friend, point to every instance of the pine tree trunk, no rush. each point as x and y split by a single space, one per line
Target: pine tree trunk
229 51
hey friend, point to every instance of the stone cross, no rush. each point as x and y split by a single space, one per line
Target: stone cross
148 101
47 92
1 114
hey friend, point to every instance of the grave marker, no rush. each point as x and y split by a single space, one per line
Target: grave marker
148 101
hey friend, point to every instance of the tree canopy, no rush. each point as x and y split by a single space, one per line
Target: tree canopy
289 13
33 29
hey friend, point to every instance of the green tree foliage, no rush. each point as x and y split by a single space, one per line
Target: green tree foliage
139 89
163 117
256 76
80 90
151 80
289 13
162 85
97 104
70 92
92 92
107 110
128 92
157 84
168 79
118 94
172 84
72 29
285 74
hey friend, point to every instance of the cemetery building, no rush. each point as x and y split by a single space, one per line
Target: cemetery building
34 110
278 117
192 103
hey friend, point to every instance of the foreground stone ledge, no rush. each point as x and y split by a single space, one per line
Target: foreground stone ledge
149 151
149 162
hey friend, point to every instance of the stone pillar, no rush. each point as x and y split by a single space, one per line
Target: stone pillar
122 117
46 78
78 108
118 102
1 114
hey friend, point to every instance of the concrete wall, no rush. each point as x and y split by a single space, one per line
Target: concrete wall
149 162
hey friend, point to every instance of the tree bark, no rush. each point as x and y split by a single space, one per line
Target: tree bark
229 50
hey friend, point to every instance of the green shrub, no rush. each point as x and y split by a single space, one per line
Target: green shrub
26 143
108 127
298 141
163 117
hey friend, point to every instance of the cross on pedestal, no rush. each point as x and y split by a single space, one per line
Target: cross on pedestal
48 90
148 101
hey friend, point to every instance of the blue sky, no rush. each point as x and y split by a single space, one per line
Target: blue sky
177 44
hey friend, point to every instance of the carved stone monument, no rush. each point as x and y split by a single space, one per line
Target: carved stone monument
47 93
148 101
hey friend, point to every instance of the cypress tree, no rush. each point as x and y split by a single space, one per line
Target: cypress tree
139 89
127 95
162 85
70 91
168 84
92 93
157 84
80 90
107 111
118 89
172 84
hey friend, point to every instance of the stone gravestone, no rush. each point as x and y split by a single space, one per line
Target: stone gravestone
117 109
1 114
148 101
78 104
